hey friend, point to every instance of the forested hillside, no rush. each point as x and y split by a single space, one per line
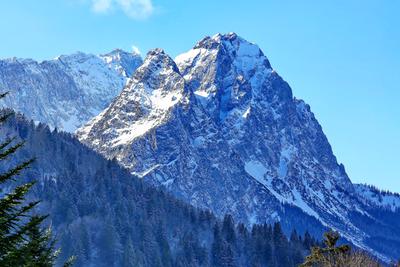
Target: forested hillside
106 217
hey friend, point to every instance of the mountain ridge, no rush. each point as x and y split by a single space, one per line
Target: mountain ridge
67 91
235 141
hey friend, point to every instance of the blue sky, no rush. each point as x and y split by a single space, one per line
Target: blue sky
342 57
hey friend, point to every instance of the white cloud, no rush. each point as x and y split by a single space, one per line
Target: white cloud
135 49
136 9
101 6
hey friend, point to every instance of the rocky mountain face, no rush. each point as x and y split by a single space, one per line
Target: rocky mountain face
219 128
67 91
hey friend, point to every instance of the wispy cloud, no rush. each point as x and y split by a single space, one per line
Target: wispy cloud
136 49
101 6
136 9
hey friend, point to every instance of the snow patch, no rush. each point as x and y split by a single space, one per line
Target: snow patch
144 173
188 57
299 202
256 169
202 93
246 113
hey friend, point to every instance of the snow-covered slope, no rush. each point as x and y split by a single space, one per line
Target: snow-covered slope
67 91
123 62
372 195
221 129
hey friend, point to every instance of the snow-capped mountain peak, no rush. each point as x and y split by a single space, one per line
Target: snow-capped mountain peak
144 103
240 97
229 50
222 130
225 72
157 62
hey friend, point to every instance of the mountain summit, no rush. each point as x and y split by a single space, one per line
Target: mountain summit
218 127
225 71
125 63
142 105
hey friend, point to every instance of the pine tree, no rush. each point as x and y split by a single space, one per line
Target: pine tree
308 240
330 255
216 247
22 240
128 258
296 248
108 243
228 229
338 256
222 254
40 250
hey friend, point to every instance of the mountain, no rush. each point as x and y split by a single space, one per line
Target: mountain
106 217
219 128
67 91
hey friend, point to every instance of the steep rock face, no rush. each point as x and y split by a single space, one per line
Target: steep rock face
281 144
67 91
220 128
152 129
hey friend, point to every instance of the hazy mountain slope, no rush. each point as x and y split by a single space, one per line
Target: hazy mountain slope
374 196
67 91
221 129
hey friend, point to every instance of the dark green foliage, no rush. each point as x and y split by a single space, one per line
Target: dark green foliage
39 250
23 242
327 254
332 255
